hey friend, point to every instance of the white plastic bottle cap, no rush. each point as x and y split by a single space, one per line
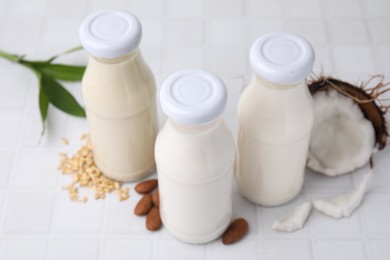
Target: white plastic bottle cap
110 33
281 57
193 97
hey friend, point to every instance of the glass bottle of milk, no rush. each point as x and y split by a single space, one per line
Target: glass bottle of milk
119 93
195 157
275 116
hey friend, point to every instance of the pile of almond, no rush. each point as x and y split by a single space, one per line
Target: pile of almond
149 206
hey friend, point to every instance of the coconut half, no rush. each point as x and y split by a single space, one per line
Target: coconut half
349 125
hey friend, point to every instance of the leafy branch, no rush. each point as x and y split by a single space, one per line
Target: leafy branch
50 89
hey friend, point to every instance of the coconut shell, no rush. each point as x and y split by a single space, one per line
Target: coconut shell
371 110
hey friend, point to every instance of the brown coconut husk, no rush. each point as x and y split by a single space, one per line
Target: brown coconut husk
366 97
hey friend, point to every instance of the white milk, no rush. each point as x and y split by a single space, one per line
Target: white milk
119 94
195 156
275 120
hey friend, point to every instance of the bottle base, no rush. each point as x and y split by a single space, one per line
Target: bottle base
198 239
270 203
126 177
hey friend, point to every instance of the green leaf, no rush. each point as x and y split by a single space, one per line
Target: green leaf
10 57
60 97
43 106
78 48
63 72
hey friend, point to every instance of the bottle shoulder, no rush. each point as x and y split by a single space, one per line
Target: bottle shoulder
266 113
118 89
194 157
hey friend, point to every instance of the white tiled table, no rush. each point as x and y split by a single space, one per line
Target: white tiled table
37 220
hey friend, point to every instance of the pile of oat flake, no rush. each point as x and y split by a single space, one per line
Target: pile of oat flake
86 174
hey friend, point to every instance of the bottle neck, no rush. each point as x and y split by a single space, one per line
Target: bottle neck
124 58
277 86
195 129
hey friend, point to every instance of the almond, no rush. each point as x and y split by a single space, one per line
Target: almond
156 198
235 231
153 220
144 205
146 187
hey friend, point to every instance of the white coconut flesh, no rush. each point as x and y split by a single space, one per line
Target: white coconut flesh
342 138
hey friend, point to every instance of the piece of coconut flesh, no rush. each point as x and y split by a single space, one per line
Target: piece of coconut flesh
342 138
344 205
293 219
341 206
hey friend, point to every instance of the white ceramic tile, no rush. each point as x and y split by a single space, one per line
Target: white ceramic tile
185 33
125 249
259 27
147 8
11 120
27 8
61 32
288 249
121 219
355 59
323 61
384 56
7 159
376 7
79 218
3 7
2 202
267 216
381 182
303 8
247 248
182 58
152 32
66 9
341 249
356 28
325 225
29 213
342 8
74 248
224 8
15 83
77 127
227 32
377 213
186 8
26 30
312 30
380 249
227 61
24 248
37 170
263 8
378 30
175 249
97 5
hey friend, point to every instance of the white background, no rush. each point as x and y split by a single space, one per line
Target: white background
37 221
